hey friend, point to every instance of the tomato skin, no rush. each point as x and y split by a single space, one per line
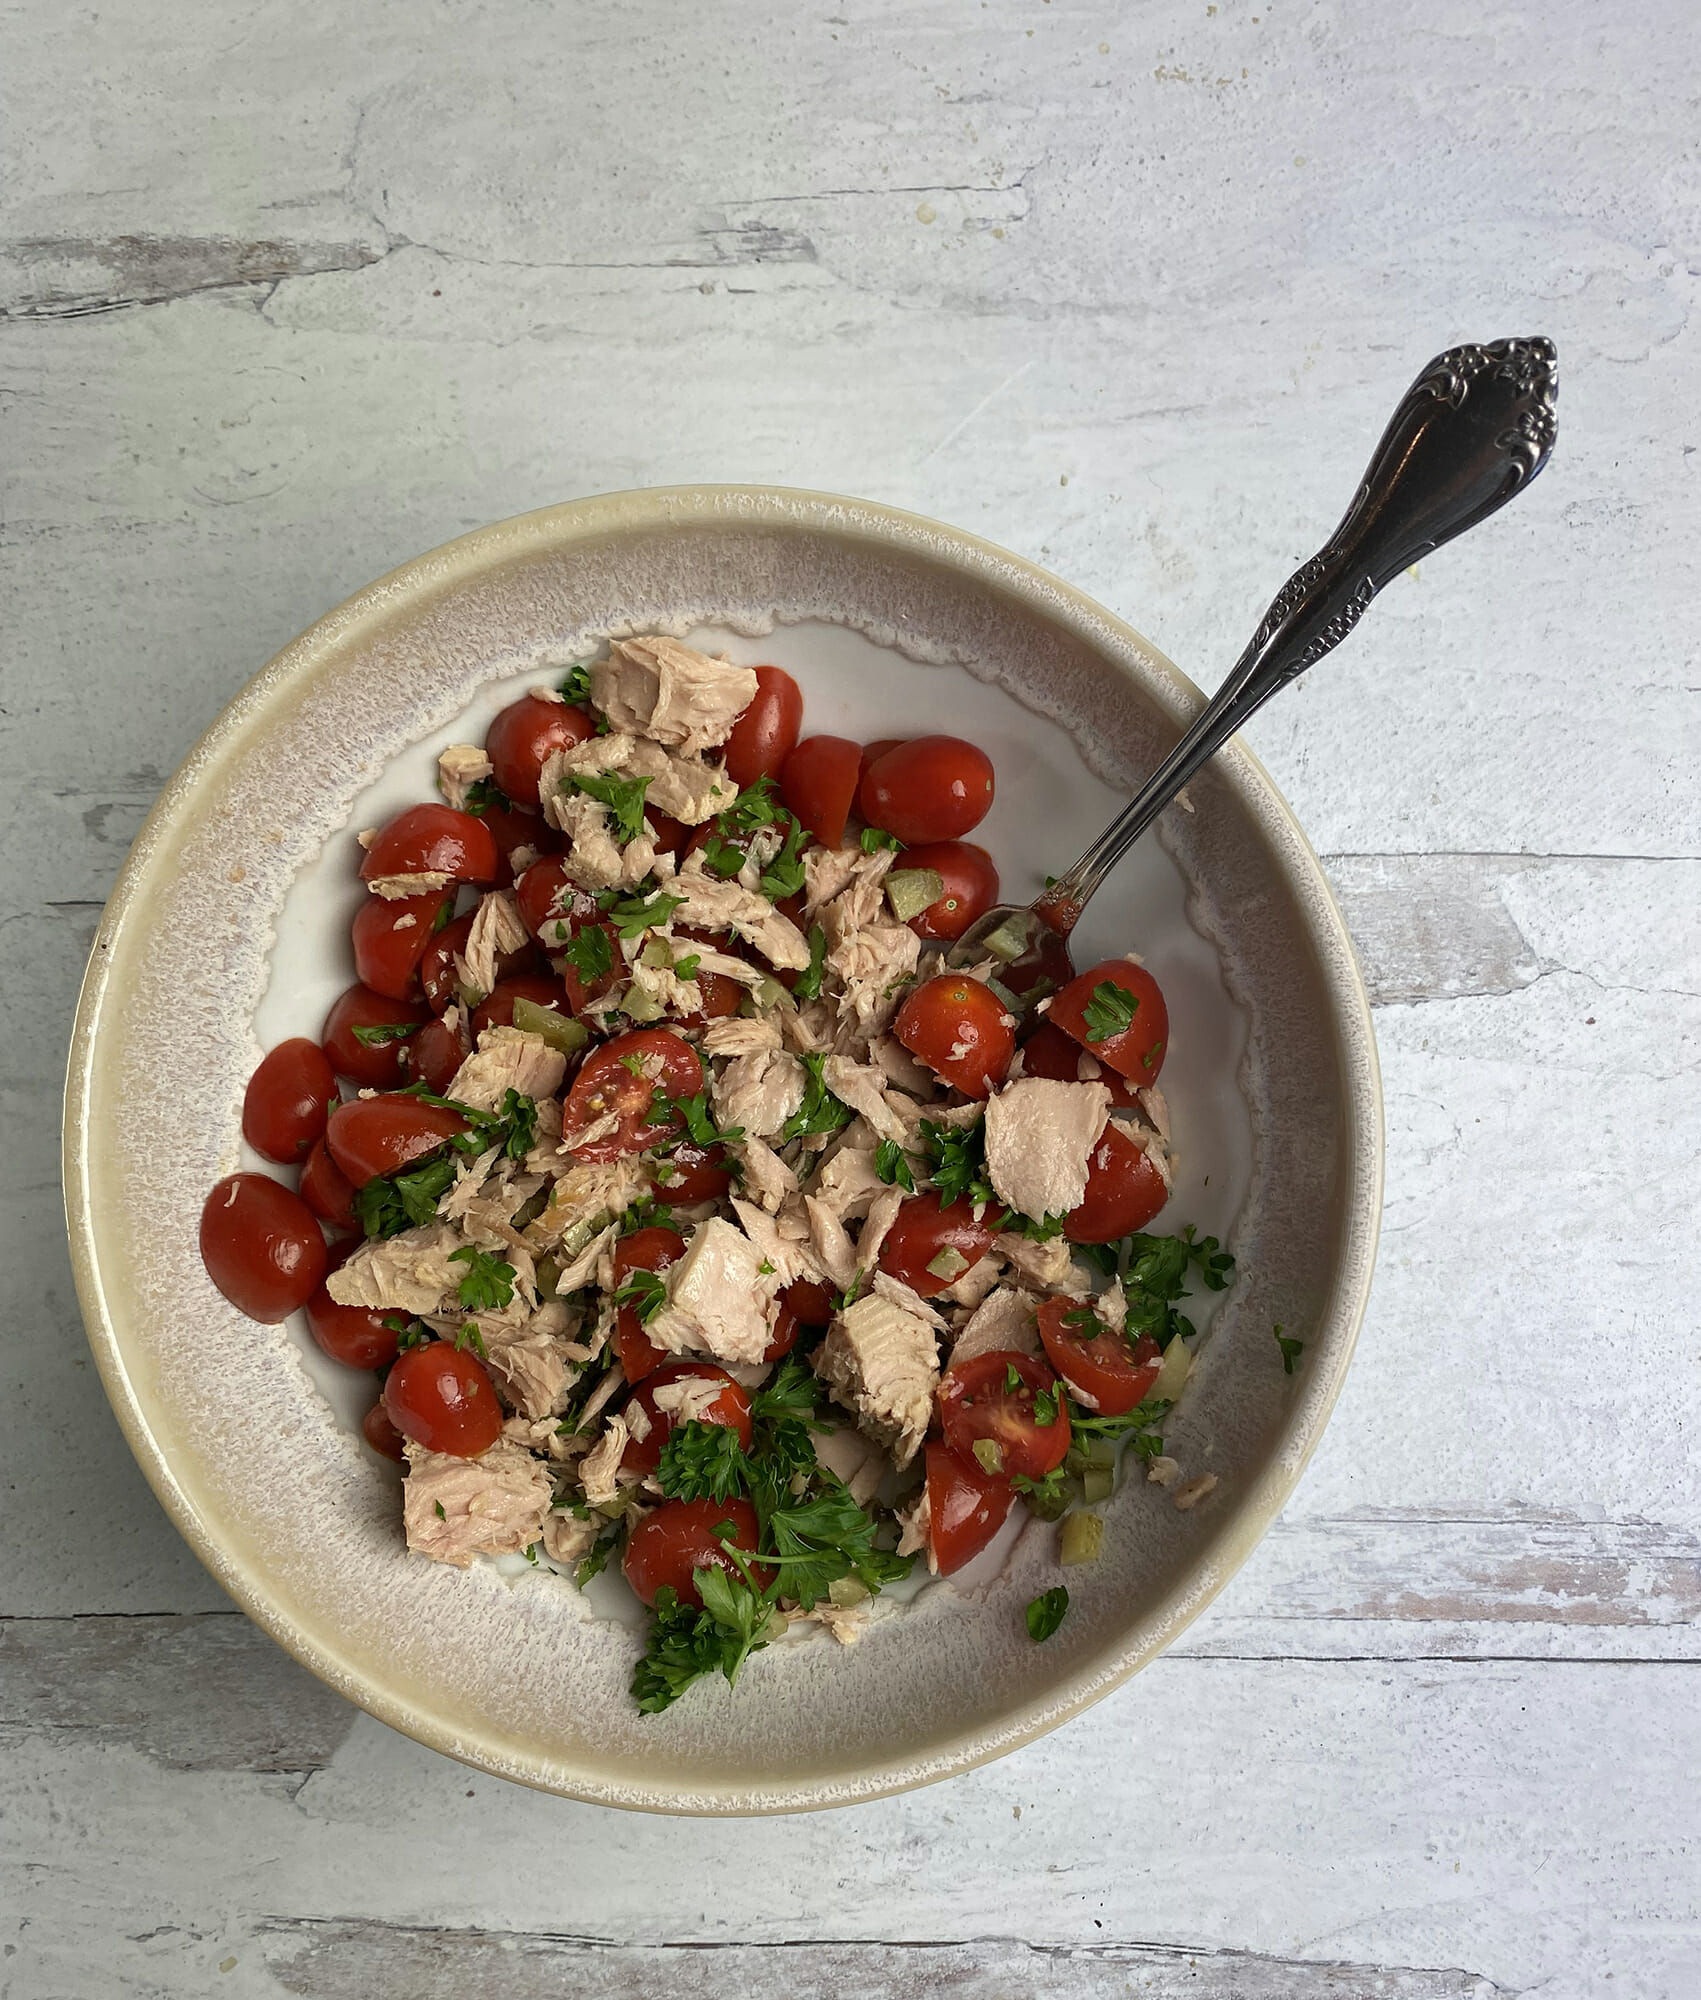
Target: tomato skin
669 834
381 1434
1138 1052
787 1328
439 1397
262 1246
496 1009
388 946
433 840
667 1545
966 1506
354 1335
513 830
818 784
956 1013
975 1401
812 1304
971 886
731 1407
765 735
930 788
692 1173
377 1068
380 1135
441 978
1124 1190
284 1106
525 735
873 752
1102 1369
1049 1052
606 1084
326 1189
644 1250
433 1056
924 1227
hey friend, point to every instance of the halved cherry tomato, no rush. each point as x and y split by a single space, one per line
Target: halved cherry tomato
971 886
1125 1190
620 1080
787 1327
433 840
993 1397
930 788
522 738
924 1229
441 1398
543 895
381 1434
262 1246
376 1065
496 1009
1137 1051
722 995
391 937
966 1506
441 978
692 1173
1106 1372
1049 1052
380 1135
810 1302
514 833
730 1407
765 735
666 1546
434 1055
643 1250
558 913
354 1335
873 752
326 1189
818 784
284 1106
960 1029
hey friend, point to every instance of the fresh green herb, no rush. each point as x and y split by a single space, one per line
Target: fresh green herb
808 985
596 1561
469 1336
722 858
700 1128
1045 1408
577 686
644 1292
380 1034
1012 1378
820 1110
957 1162
485 794
874 838
1291 1351
388 1205
440 1513
1048 1496
823 1539
1138 1426
645 1214
686 967
783 1426
1157 1274
1043 1232
624 798
784 875
1110 1012
766 1268
445 915
632 915
843 1301
684 1643
531 1554
701 1461
892 1166
408 1332
489 1283
1046 1612
590 954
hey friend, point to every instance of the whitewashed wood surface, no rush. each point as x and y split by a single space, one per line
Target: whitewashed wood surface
293 291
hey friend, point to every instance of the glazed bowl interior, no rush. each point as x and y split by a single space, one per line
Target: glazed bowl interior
228 932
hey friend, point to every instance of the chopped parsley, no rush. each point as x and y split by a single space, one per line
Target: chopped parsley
685 1643
601 1549
380 1034
722 857
645 1293
408 1332
700 1128
624 798
635 914
1045 1408
1046 1613
1137 1426
469 1336
577 686
1157 1274
1110 1012
590 954
784 875
875 838
645 1214
808 983
892 1166
754 807
440 1513
820 1110
957 1162
489 1283
1291 1351
394 1202
701 1461
485 795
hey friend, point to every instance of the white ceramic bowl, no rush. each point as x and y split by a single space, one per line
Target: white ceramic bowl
227 931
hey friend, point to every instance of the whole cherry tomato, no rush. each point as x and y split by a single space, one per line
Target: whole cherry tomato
1106 1372
365 1033
966 1506
496 1009
381 1434
678 1537
620 1080
380 1135
262 1246
818 784
326 1189
441 1398
525 833
930 788
873 752
391 937
525 735
960 1029
765 735
692 1173
1116 1011
731 1406
285 1105
925 1229
810 1303
434 1056
439 974
433 840
1125 1189
1049 1052
971 887
644 1250
354 1335
996 1398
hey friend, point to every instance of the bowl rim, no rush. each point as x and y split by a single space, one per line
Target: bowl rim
777 509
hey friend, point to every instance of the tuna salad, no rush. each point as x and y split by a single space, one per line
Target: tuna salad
695 1218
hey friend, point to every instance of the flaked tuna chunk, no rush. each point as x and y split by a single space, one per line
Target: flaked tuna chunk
567 1539
882 1364
1046 1265
758 1092
594 858
584 1193
828 872
409 1273
600 1467
459 768
790 1258
713 905
659 688
497 929
719 1298
860 1086
394 887
766 1175
847 1185
851 1457
458 1508
1039 1137
736 1036
684 786
882 1213
507 1059
531 1371
1004 1319
828 1237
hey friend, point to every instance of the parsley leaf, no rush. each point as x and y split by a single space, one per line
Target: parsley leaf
1136 1426
379 1034
1047 1497
783 1423
784 875
1046 1613
721 857
645 1214
634 914
874 838
892 1166
590 954
1045 1408
808 984
1157 1276
820 1110
489 1283
1110 1011
701 1461
389 1204
1291 1351
644 1292
957 1162
754 807
820 1540
601 1549
700 1128
624 798
577 686
469 1336
685 1643
485 793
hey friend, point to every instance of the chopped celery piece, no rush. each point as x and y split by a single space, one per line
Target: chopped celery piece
641 1006
1010 939
1176 1367
1098 1482
912 890
844 1591
768 993
949 1264
559 1030
1081 1539
990 1454
657 952
1051 1503
547 1273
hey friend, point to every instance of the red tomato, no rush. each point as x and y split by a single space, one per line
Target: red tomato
326 1189
924 1228
381 1434
1124 1190
643 1250
380 1135
441 978
525 735
353 1335
730 1407
262 1246
971 886
496 1009
977 1401
514 832
722 995
390 938
966 1507
434 1055
1103 1370
931 788
556 912
670 834
620 1080
374 1067
284 1106
810 1302
872 752
1137 1052
787 1327
960 1029
433 840
666 1546
543 894
818 784
441 1398
693 1173
765 735
1049 1052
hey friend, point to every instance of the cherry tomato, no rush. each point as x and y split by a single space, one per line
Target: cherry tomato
924 1229
669 834
354 1335
390 939
557 913
1049 1052
441 1398
692 1173
960 1029
262 1246
441 978
496 1009
931 788
993 1397
543 893
666 1546
381 1434
787 1327
326 1189
643 1250
811 1303
621 1079
1107 1372
1125 1190
514 831
284 1106
433 840
378 1065
971 886
818 784
380 1135
1137 1051
966 1506
765 735
525 735
730 1407
722 995
433 1056
873 752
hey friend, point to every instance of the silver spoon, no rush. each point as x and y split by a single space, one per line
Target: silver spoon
1474 429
